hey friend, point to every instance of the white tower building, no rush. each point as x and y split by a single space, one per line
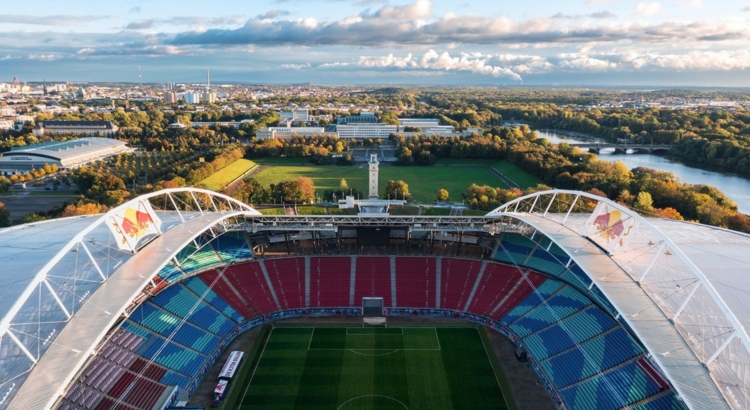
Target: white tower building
373 175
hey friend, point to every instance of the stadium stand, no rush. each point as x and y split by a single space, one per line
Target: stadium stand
288 279
227 292
202 290
193 259
590 359
373 278
457 277
415 282
232 247
170 273
250 282
330 281
496 282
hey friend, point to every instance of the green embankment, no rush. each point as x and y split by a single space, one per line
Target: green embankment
226 175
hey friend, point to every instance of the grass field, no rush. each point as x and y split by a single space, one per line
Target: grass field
219 179
423 181
364 368
517 175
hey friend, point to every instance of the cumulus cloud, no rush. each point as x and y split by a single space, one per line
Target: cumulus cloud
604 14
432 60
597 15
691 4
140 25
296 66
648 9
132 49
451 29
512 66
417 10
56 20
273 14
359 2
44 57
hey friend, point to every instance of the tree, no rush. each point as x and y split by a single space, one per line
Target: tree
82 208
442 195
397 189
4 215
307 188
343 185
644 202
404 156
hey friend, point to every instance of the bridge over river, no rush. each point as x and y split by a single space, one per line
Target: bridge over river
596 147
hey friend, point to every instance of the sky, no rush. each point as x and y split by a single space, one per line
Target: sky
435 42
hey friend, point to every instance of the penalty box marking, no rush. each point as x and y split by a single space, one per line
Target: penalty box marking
437 339
401 329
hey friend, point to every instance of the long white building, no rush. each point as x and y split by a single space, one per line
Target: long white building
289 132
366 130
104 128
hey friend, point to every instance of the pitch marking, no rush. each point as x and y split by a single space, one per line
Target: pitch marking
378 354
250 382
372 395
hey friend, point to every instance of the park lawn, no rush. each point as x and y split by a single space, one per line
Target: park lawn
368 368
224 176
435 211
423 182
283 161
465 162
272 211
311 210
326 177
517 175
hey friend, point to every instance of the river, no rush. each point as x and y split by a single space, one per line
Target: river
735 187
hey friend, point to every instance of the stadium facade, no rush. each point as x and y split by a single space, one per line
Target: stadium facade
66 155
614 310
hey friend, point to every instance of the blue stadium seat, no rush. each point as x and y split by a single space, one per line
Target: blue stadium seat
191 259
200 287
185 304
232 247
542 292
617 388
170 272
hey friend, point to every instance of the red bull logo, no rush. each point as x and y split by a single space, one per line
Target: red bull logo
136 223
610 225
133 223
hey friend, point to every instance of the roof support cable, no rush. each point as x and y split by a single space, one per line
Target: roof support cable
685 302
651 264
176 208
197 204
96 265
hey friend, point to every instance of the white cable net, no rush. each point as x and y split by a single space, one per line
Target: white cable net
696 275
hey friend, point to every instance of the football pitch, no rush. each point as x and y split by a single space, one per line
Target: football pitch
363 368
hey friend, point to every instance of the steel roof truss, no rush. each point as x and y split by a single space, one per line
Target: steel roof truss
96 265
57 298
21 346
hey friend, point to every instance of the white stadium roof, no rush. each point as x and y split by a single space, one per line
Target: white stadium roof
681 287
70 152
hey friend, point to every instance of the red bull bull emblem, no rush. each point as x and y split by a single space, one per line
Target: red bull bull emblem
610 226
135 223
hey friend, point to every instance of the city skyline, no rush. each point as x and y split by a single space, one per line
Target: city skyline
571 42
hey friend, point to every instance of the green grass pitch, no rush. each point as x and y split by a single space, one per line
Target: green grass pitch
363 368
424 182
